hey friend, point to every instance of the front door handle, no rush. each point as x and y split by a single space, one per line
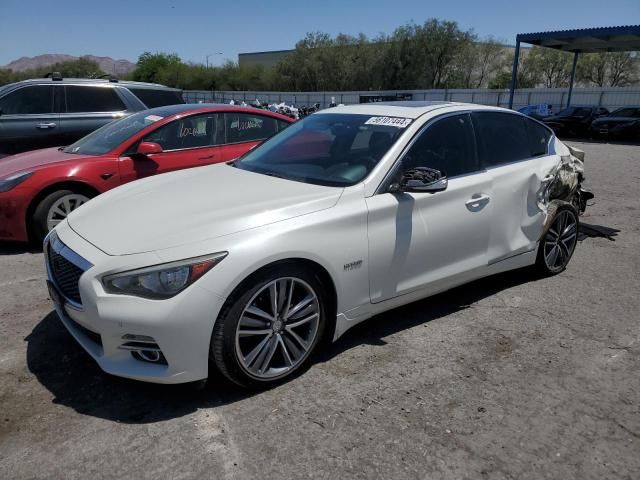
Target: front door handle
209 157
477 201
44 126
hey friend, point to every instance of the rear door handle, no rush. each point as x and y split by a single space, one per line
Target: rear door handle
209 157
44 126
477 201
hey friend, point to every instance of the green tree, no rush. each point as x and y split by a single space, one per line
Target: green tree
151 67
81 68
608 69
479 62
552 66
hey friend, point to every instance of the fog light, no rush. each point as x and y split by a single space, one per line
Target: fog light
143 348
151 356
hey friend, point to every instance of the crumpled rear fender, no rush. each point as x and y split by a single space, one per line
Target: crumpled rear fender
565 187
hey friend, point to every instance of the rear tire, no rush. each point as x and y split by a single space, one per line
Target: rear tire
270 327
53 209
559 241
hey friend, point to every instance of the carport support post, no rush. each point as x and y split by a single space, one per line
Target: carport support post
514 72
573 76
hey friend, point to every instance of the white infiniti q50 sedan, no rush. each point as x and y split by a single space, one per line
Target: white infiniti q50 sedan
248 266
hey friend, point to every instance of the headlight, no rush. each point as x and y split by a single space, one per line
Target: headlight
8 183
161 281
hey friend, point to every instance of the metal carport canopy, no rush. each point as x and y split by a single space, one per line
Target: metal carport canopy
584 40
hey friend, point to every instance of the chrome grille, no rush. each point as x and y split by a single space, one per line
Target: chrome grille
65 275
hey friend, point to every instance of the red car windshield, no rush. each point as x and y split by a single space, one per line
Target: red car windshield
111 135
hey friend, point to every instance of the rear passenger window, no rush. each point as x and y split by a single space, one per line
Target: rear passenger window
92 99
243 127
502 138
28 101
538 138
447 145
157 98
191 132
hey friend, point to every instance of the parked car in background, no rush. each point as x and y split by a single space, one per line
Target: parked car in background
537 111
48 112
248 266
39 189
621 124
574 121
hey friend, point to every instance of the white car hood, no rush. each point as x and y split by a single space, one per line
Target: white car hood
193 205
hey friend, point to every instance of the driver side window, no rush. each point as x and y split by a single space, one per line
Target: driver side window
448 145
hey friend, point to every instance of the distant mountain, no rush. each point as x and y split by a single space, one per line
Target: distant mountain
107 64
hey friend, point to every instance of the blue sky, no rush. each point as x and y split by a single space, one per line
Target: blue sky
196 28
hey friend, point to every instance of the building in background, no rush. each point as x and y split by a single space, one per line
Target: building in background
263 59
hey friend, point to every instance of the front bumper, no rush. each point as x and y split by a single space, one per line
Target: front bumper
13 212
181 326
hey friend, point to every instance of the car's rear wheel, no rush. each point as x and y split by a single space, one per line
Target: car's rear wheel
53 209
559 241
268 331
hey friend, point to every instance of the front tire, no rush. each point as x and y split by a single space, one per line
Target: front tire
53 209
559 241
268 330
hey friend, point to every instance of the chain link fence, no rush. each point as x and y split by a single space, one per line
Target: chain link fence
611 97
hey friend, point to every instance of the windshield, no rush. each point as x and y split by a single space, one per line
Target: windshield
574 112
330 149
107 138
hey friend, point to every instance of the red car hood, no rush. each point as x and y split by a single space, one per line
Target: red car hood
36 158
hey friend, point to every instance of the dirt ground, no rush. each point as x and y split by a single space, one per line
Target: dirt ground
508 377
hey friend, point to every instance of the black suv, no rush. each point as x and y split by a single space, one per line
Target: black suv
48 112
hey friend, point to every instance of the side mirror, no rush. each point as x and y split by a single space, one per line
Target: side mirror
420 180
148 148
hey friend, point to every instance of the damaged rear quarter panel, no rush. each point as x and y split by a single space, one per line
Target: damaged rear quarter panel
519 210
545 183
564 188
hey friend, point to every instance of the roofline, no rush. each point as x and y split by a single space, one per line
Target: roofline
193 108
625 38
105 81
291 50
580 32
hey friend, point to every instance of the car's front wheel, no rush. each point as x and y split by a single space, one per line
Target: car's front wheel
53 209
268 330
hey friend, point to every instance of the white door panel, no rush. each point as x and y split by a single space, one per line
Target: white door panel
518 220
418 240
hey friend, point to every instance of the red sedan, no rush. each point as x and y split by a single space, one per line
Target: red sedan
38 189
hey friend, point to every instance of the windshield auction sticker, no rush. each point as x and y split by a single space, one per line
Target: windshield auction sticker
389 121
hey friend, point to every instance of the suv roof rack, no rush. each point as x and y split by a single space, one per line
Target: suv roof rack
55 76
112 78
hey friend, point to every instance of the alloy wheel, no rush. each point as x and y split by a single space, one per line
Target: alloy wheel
560 241
278 328
63 207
